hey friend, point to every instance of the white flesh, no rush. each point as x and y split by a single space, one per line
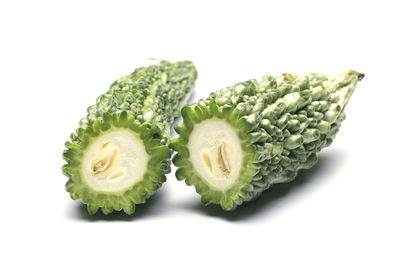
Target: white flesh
115 161
215 153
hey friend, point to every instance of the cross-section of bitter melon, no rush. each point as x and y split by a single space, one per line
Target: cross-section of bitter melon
119 155
240 140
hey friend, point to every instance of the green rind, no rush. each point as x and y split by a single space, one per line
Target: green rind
282 123
144 102
227 199
136 194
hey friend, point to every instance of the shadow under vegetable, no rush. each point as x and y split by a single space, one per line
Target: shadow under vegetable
274 196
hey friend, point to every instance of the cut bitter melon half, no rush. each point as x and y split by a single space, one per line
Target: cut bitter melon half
119 155
240 140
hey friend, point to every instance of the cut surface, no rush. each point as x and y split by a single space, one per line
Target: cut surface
216 153
115 161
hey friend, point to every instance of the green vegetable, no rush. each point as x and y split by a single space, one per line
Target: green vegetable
119 156
242 139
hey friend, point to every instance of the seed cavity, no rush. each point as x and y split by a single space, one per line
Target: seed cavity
106 160
116 174
217 160
223 160
207 161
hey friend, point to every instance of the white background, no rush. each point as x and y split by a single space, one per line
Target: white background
57 57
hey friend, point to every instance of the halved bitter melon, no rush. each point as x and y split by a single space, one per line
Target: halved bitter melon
118 157
240 140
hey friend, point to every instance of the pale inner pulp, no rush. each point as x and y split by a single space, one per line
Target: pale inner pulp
115 161
215 153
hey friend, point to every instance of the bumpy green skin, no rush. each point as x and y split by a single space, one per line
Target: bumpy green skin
144 102
282 122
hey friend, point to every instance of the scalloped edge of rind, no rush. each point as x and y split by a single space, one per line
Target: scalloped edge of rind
158 164
239 191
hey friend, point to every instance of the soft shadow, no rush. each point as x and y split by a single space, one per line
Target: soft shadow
79 211
189 101
279 193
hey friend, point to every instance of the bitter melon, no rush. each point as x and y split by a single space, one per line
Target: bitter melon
240 140
119 155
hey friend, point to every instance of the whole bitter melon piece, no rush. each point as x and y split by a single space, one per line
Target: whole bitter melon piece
119 155
240 140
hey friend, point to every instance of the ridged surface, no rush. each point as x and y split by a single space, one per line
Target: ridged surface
152 94
282 122
144 102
